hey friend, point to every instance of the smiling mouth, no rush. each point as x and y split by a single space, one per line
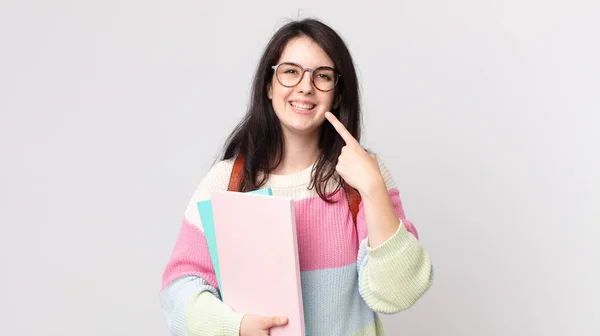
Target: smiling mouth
302 106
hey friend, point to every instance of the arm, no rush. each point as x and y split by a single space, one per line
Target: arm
394 269
189 295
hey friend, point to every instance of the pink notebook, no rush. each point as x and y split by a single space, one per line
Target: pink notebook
258 257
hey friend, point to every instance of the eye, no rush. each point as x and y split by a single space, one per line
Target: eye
324 76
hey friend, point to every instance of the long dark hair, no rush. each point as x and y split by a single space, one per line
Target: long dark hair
258 136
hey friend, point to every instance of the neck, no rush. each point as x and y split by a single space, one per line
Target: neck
300 151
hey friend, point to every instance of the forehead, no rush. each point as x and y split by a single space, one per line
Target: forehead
306 52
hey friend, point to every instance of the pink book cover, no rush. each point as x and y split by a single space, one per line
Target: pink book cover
258 257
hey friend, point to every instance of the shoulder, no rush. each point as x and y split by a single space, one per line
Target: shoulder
217 178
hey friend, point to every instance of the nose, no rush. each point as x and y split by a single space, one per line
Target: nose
305 84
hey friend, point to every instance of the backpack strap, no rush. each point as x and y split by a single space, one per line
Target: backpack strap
235 180
237 174
353 197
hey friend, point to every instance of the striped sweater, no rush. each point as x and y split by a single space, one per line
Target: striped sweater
345 282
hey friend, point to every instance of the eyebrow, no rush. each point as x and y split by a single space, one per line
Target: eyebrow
320 66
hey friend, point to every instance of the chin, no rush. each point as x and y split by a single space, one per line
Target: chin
301 129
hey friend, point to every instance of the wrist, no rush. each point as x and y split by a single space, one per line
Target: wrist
374 190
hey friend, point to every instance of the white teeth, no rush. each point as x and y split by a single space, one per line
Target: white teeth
302 106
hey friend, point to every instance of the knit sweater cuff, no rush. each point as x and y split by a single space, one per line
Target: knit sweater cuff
207 315
231 323
397 273
393 244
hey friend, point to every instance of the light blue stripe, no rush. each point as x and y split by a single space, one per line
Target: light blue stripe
332 303
174 298
362 262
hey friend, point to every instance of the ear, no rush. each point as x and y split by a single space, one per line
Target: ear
270 91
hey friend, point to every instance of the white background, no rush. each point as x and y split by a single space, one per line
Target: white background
486 112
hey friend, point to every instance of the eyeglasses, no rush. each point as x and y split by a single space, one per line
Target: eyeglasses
290 74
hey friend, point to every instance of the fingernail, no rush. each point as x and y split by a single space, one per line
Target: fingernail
281 319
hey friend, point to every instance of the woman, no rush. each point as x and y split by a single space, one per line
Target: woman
300 137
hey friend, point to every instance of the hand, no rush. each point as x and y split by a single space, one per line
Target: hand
255 325
356 166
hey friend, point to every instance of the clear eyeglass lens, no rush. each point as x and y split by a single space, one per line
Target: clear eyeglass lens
291 74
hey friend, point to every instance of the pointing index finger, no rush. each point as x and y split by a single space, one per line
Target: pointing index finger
339 127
